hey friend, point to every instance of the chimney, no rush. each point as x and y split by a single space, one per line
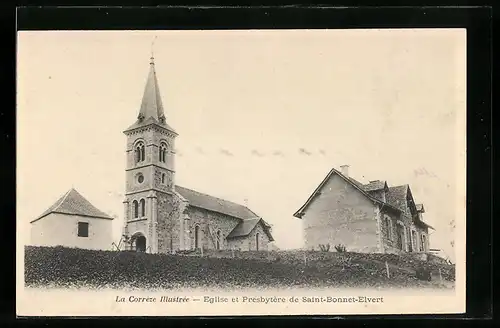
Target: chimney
345 170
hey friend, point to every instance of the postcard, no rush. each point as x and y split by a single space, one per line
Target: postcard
241 172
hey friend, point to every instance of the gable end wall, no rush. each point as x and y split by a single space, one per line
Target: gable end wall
341 214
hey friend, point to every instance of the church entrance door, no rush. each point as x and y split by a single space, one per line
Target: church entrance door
140 244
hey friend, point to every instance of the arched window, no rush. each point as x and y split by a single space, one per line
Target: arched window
140 152
422 244
197 237
163 178
163 152
388 227
414 240
257 235
136 209
218 239
143 208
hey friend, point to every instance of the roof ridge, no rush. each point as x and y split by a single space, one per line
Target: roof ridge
349 179
399 186
218 198
74 203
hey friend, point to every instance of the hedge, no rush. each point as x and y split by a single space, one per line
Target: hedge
400 264
71 267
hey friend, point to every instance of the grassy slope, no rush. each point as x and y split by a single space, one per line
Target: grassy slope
66 267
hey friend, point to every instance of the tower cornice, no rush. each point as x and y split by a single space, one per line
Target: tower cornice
137 129
138 167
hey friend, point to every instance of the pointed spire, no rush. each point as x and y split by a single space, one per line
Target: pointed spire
152 106
151 111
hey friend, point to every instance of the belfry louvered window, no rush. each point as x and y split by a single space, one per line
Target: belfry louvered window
140 152
163 152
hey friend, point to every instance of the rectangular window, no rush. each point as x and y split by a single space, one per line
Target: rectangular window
83 229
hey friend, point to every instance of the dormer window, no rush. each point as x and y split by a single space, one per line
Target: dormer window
139 152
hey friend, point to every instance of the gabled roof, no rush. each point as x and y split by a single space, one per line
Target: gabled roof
214 204
396 197
245 227
151 111
249 219
73 203
356 184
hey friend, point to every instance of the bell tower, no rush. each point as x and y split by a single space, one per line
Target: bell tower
150 169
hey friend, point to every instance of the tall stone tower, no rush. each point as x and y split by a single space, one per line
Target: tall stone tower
151 204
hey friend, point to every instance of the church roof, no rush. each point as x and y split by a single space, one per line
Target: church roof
248 218
151 111
245 227
214 204
73 203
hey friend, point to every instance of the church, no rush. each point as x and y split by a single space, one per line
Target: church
162 217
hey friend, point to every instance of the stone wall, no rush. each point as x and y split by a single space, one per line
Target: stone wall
411 239
168 228
202 218
248 243
341 214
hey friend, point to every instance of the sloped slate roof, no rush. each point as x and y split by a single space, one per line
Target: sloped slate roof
356 182
73 203
358 185
152 105
245 227
396 196
374 185
211 203
152 111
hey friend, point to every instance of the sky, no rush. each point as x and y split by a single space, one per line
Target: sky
262 116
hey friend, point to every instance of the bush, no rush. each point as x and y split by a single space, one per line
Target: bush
324 248
340 248
423 274
70 267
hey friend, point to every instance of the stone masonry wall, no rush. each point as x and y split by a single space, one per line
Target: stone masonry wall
390 237
341 214
248 243
168 228
218 221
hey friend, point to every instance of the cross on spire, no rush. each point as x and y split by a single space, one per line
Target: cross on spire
152 59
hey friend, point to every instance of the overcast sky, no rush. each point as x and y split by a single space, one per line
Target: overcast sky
261 115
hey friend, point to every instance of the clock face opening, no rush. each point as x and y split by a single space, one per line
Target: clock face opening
140 178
